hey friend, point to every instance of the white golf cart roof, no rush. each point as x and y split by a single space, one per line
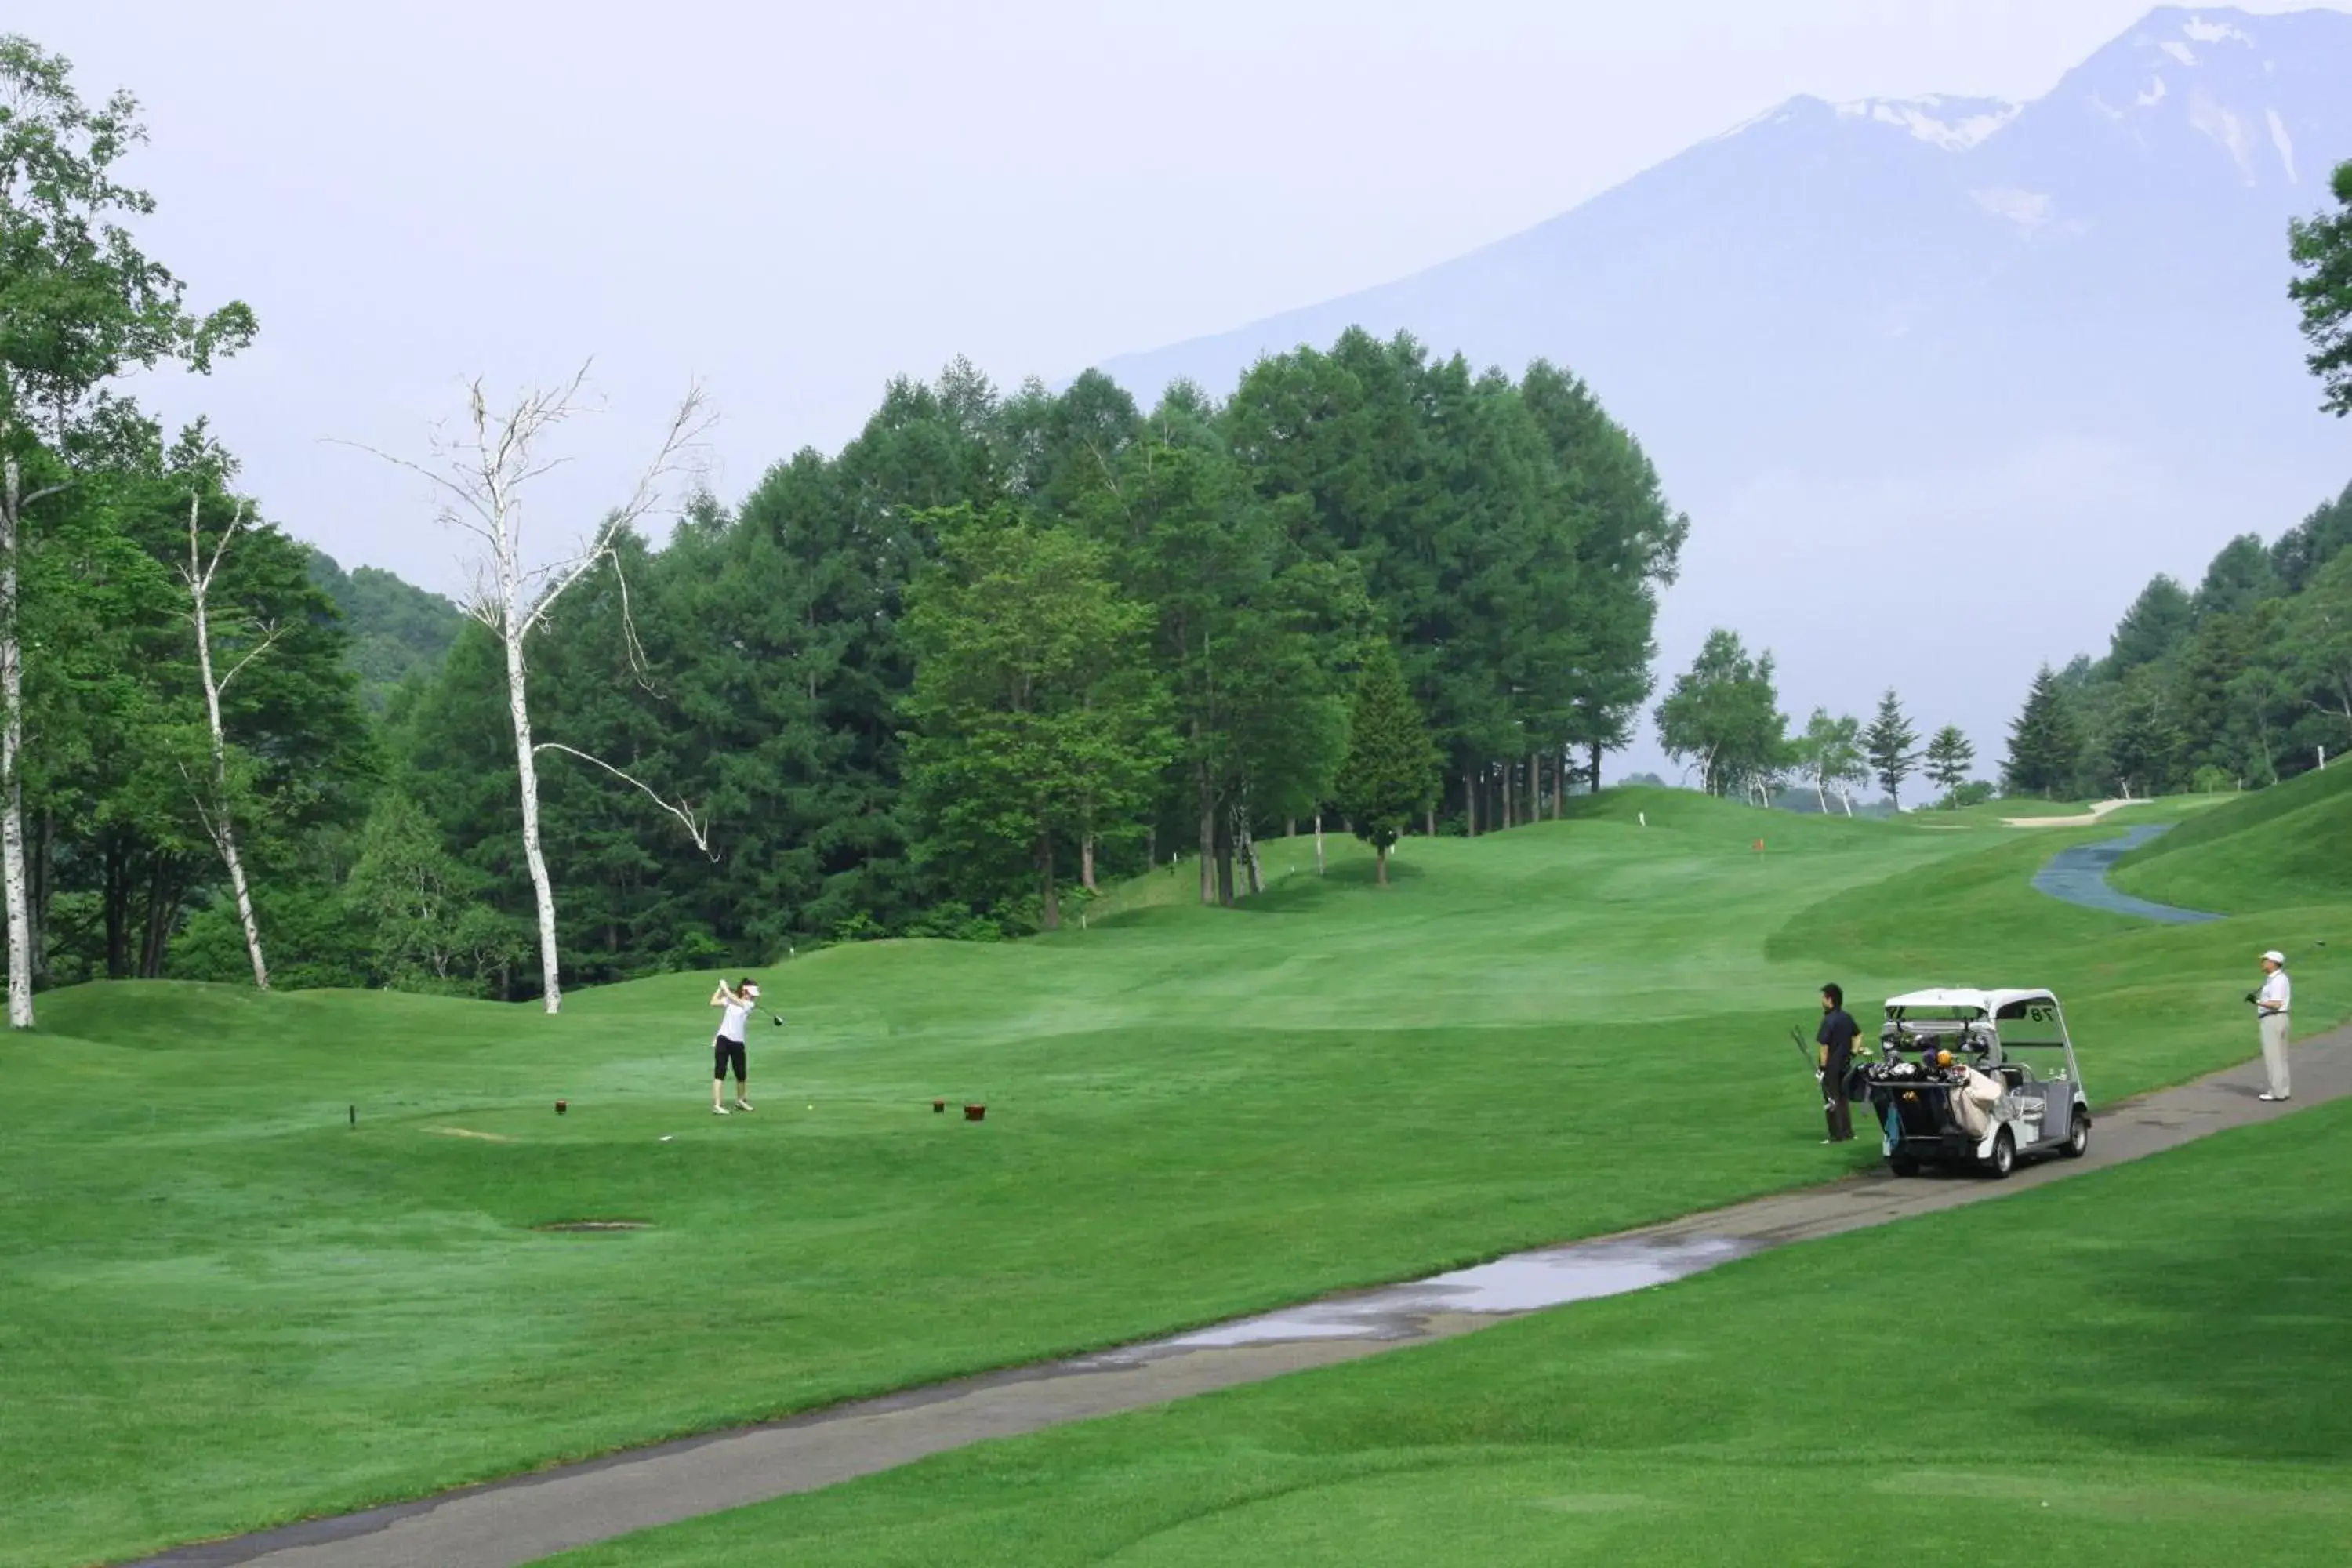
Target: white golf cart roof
1983 1003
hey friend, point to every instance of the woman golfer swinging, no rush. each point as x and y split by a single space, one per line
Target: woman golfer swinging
727 1045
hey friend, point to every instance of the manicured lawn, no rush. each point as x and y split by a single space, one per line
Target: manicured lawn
2285 846
223 1306
2128 1368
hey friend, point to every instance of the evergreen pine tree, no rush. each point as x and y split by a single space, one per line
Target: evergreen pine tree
2043 747
1891 744
1391 772
1949 758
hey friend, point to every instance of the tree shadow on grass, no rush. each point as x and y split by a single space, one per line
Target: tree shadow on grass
1304 892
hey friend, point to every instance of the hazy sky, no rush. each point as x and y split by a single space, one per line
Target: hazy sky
795 202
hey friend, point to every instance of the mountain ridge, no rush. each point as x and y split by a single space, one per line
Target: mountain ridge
1869 341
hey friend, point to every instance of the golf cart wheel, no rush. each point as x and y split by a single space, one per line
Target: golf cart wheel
2004 1156
2078 1140
1902 1164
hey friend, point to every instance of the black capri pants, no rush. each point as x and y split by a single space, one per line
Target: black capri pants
726 1053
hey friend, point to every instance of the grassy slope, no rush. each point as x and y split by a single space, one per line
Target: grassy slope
2160 1384
225 1308
2164 1385
2283 846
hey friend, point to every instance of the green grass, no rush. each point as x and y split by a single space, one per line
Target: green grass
2117 1369
2281 847
224 1308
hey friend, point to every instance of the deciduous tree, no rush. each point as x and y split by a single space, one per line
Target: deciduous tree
1038 714
1723 715
2321 247
481 476
79 303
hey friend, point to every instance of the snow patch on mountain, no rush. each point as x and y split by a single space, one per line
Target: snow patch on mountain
2207 114
2178 51
2204 32
2154 94
1954 124
2285 144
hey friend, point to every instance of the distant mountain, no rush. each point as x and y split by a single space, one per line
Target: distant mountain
397 630
1942 381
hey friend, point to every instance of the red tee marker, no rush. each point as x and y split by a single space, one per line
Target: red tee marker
1759 847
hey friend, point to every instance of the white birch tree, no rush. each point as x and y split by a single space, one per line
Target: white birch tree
79 303
213 805
481 476
13 499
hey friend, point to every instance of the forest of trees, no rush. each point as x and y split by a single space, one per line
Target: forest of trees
1000 646
2234 683
2245 679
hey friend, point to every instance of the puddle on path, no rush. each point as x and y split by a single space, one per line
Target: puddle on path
1523 1282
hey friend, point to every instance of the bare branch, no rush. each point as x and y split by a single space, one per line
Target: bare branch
270 632
470 500
696 828
687 428
640 667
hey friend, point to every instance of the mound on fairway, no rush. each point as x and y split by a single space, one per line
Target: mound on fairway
225 1307
2276 848
2118 1369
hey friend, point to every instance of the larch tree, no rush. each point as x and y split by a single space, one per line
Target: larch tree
1391 773
1951 756
1891 746
79 304
2044 746
481 476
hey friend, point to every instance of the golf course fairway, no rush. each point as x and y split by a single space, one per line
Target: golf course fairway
2115 1369
226 1306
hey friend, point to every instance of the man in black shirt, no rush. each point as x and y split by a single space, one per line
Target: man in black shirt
1836 1039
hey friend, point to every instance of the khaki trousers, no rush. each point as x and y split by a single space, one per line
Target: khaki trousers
2273 1027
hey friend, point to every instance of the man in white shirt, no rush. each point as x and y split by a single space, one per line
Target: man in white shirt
727 1045
2271 1004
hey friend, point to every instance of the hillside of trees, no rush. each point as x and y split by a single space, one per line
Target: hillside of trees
2236 683
396 631
997 647
826 671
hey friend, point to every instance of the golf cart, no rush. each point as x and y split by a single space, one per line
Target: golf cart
1976 1078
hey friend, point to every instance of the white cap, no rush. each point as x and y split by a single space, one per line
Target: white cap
754 990
2276 956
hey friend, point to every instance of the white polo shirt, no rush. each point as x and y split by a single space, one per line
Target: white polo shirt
2275 993
731 1020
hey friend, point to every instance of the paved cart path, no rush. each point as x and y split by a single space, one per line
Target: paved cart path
530 1517
2079 875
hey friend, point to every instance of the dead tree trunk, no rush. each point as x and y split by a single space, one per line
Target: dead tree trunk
480 479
